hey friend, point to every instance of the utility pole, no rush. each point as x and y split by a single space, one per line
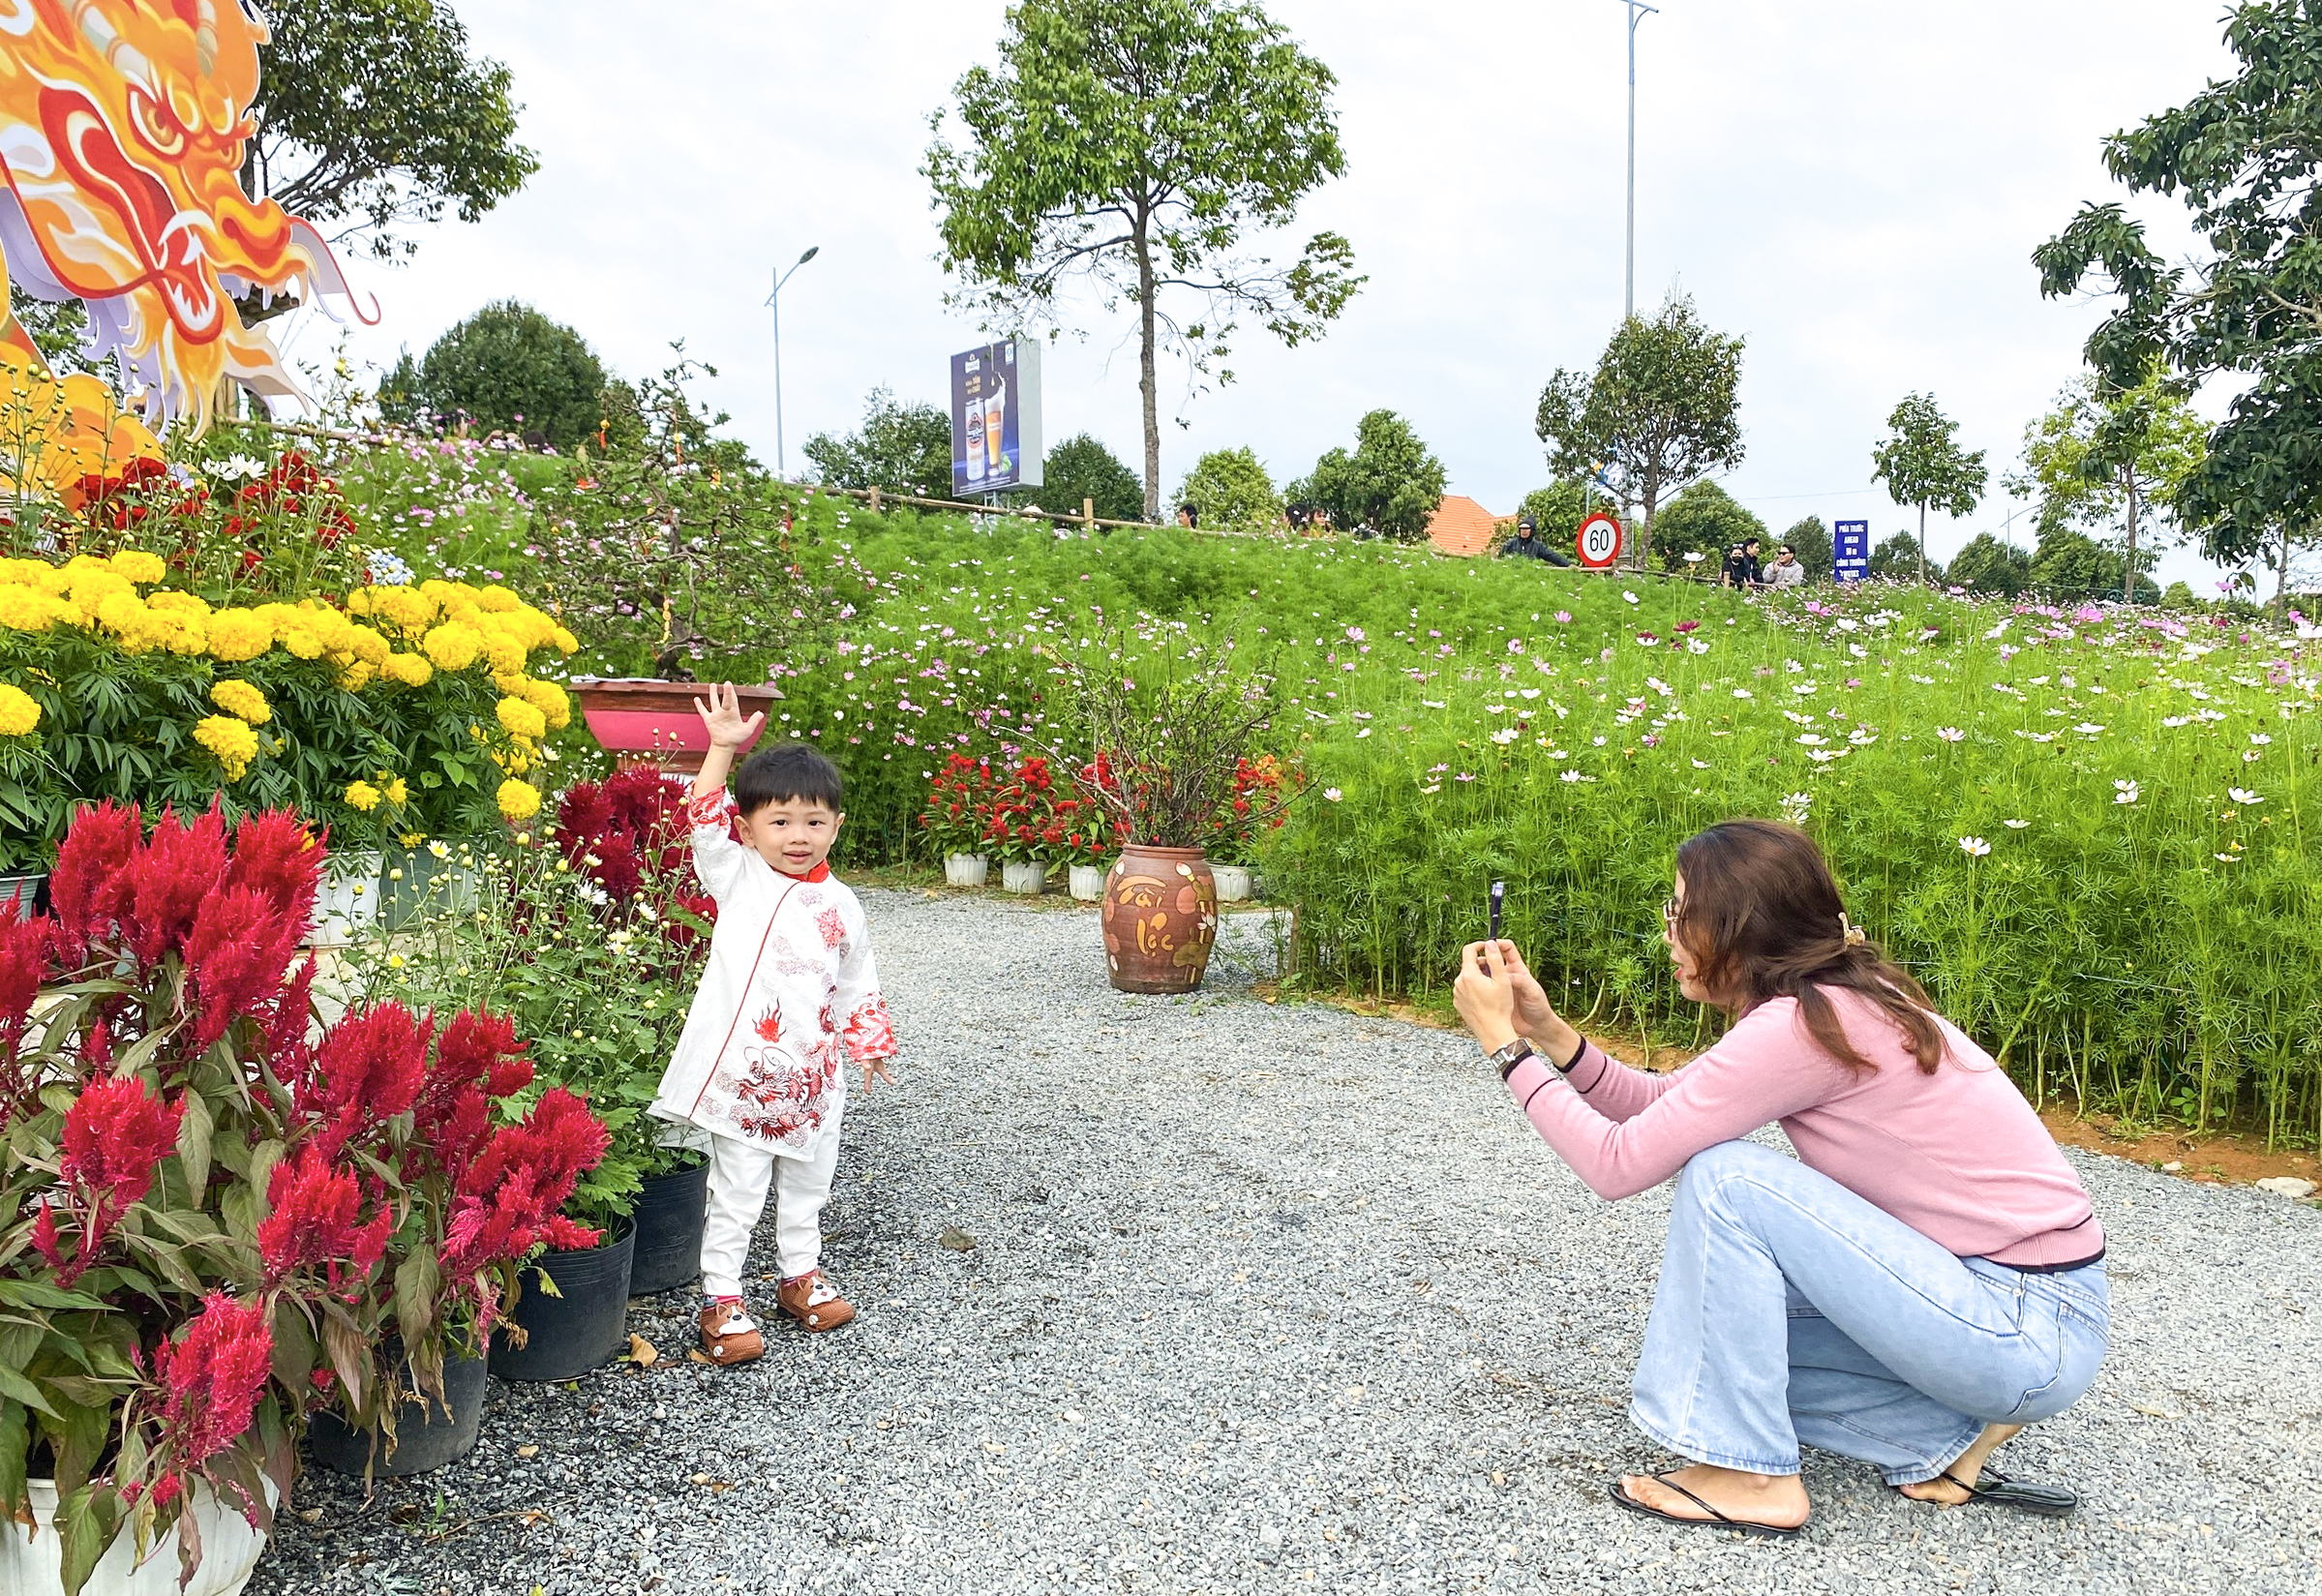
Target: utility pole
774 299
1638 10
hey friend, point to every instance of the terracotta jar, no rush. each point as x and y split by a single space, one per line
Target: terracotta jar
1159 918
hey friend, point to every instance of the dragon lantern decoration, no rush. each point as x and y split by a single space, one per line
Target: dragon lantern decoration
122 129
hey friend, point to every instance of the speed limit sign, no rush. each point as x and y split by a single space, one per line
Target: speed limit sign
1599 541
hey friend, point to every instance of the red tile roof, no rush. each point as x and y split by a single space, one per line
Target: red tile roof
1461 526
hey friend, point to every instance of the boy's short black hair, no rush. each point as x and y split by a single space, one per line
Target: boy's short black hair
777 775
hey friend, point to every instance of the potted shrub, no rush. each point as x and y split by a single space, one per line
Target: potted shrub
1022 829
1167 748
210 1209
591 941
1083 843
956 818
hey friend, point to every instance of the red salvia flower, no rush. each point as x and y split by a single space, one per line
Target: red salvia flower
212 1380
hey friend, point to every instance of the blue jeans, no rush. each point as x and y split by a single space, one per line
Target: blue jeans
1791 1309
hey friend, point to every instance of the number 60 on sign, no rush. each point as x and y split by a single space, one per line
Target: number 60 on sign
1598 541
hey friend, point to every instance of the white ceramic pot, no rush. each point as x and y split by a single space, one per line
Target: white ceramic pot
1088 881
349 900
32 1564
966 869
1029 879
1234 882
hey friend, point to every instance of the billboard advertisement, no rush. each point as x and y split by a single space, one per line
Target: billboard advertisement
1850 550
996 417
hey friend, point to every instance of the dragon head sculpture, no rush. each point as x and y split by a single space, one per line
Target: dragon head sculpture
123 125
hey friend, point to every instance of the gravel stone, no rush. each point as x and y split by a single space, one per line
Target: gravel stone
1277 1297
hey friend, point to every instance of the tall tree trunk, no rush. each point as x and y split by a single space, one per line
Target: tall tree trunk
1145 379
2129 577
2281 575
1645 523
1922 540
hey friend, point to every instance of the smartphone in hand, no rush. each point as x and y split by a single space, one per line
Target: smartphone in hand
1499 897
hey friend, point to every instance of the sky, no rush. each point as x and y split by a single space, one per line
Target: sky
1855 191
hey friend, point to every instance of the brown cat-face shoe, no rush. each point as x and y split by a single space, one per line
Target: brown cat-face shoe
729 1335
814 1301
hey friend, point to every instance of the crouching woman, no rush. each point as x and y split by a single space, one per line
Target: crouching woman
1924 1280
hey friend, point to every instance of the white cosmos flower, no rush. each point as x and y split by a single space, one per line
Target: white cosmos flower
1333 793
1528 692
2016 825
1431 704
1630 597
1364 733
1974 847
2123 792
2244 795
1794 807
1701 765
1744 692
2088 728
2173 720
238 467
2259 738
2250 755
2228 859
1575 775
1812 739
1505 735
1950 734
1697 645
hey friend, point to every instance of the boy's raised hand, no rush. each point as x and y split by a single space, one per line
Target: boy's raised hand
722 717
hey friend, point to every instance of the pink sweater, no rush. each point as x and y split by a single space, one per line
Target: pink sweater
1958 1156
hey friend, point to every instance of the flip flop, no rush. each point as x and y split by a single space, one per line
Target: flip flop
2050 1501
1715 1521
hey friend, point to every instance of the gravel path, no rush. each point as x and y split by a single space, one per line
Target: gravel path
1276 1298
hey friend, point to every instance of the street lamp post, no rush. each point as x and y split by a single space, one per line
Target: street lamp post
1638 10
774 299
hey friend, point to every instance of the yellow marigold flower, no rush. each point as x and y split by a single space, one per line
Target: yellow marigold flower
188 634
139 566
522 719
355 675
236 635
397 791
453 645
29 609
505 652
367 646
408 669
515 761
174 602
92 585
550 700
566 643
518 799
303 643
54 579
233 741
19 711
497 599
242 701
361 795
23 572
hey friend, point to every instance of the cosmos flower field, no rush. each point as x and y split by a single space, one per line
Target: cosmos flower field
2084 830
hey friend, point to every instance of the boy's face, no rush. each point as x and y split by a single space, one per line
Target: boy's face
793 835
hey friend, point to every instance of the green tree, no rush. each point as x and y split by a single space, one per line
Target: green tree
2246 157
1898 558
1922 464
1661 410
1084 469
1703 520
2106 455
373 118
1559 508
57 328
903 449
1390 484
2069 563
1989 565
1233 492
508 368
1147 145
1809 538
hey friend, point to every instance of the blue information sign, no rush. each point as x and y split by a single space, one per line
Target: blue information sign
1850 542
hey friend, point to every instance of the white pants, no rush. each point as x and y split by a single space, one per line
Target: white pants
740 1175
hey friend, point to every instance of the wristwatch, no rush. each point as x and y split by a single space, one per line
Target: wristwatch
1514 1053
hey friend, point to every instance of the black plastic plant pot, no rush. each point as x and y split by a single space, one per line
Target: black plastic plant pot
583 1326
427 1435
668 1216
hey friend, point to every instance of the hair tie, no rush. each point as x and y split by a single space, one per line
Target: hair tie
1849 930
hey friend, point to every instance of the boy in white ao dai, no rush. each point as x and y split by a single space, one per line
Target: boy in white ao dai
789 998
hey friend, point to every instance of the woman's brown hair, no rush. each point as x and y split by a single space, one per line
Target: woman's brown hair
1762 918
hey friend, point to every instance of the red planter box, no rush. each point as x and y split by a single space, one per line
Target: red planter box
652 722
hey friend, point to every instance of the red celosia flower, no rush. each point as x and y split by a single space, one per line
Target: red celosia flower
24 961
315 1219
237 955
565 1236
90 890
212 1380
276 856
168 879
369 1068
115 1135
